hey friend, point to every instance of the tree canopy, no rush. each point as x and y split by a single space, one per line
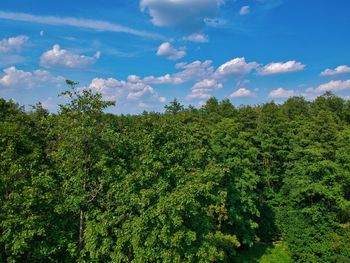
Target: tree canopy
189 185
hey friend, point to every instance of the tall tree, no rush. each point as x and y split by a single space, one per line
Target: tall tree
79 148
174 107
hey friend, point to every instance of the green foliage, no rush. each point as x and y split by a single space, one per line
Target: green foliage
266 253
174 107
190 185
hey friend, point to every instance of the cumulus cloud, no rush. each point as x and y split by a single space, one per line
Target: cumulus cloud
281 93
334 86
132 89
15 78
337 71
237 67
12 44
166 79
197 38
281 68
199 94
245 10
167 50
206 79
207 84
61 58
194 71
203 89
242 92
198 72
184 14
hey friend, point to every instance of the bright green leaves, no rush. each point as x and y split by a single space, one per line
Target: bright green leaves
186 186
314 190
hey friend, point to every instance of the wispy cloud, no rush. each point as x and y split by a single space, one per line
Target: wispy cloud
196 38
97 25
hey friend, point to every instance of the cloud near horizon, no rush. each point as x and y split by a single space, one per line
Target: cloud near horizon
333 86
14 78
281 93
202 89
131 90
241 93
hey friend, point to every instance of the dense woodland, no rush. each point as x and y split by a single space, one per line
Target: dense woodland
186 185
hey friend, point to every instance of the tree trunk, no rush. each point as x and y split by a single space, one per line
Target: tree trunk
81 230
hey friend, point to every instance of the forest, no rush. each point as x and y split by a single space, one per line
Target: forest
187 185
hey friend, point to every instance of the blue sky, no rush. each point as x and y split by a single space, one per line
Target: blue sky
145 53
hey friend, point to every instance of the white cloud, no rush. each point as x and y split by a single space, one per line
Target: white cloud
133 89
197 71
334 86
96 25
207 84
337 71
170 52
197 38
143 105
281 68
205 77
166 79
199 94
245 10
281 93
237 67
242 92
15 78
61 58
203 89
185 14
12 44
194 71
